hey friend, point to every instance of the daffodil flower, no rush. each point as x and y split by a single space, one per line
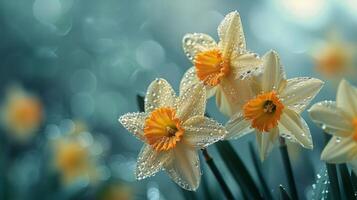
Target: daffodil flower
221 67
334 58
22 113
339 119
172 128
275 108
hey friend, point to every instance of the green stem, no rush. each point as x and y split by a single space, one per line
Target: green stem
217 174
288 169
332 174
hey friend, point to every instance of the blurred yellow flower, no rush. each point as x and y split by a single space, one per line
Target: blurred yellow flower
173 128
221 67
339 119
117 191
275 108
22 113
334 58
73 160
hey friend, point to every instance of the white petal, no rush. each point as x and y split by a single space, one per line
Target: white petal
347 98
159 94
294 128
192 102
190 78
184 167
332 119
231 35
246 64
232 94
237 127
273 75
340 150
266 141
150 162
134 123
299 92
194 43
201 131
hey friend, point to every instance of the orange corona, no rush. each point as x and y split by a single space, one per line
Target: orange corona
264 111
162 129
211 67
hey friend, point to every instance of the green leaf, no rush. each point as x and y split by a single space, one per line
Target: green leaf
141 103
283 194
346 181
257 166
354 182
238 170
288 168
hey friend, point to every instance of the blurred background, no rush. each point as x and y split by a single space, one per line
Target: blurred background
70 68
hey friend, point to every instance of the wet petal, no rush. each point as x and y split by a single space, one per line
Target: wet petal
192 102
294 128
273 77
340 150
201 131
134 123
150 162
300 91
194 43
237 127
231 34
347 98
266 141
232 94
245 64
184 168
325 114
190 78
159 94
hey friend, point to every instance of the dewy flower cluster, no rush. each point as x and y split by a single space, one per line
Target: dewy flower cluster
254 92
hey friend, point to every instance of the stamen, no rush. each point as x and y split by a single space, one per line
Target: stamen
269 107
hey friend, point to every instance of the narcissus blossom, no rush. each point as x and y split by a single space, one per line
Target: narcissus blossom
22 113
172 128
221 67
334 58
74 156
275 108
340 120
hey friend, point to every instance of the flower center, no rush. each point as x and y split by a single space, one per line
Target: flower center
354 123
162 129
264 111
211 67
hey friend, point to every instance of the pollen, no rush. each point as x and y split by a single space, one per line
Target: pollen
211 67
264 111
163 129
